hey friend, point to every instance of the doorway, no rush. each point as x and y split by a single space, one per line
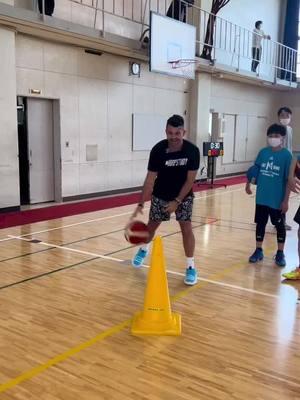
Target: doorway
39 150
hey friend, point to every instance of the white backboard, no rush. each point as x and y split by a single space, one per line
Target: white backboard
170 40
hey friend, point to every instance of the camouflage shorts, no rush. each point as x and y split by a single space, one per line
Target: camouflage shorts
183 212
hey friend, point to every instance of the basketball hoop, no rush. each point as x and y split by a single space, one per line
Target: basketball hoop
185 66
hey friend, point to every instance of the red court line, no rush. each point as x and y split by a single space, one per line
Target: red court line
64 210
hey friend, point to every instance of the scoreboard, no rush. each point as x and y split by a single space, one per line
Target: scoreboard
213 149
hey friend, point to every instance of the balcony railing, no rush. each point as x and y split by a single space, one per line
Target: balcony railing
232 46
229 45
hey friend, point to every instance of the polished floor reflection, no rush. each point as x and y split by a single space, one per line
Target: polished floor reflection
67 293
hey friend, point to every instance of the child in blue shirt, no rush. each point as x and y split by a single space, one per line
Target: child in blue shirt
272 194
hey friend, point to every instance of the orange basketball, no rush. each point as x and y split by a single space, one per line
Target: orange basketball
136 232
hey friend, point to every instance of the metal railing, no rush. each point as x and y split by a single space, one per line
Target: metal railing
229 44
233 45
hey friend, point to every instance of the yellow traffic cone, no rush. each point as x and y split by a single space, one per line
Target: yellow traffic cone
157 317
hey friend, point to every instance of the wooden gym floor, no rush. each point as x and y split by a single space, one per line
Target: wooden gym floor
67 293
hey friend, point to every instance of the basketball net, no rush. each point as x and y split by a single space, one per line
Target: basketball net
185 66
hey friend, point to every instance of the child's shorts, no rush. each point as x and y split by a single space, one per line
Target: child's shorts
262 214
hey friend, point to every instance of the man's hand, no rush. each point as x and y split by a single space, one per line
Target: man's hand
137 211
294 185
248 188
171 206
284 206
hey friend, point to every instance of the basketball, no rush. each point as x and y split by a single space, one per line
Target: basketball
136 232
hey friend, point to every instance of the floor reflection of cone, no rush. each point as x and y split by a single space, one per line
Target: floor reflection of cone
157 317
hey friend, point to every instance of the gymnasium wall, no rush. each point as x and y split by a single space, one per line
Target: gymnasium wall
245 13
84 14
292 99
97 98
9 171
250 108
254 110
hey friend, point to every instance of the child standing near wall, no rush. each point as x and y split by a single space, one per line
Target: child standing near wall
272 194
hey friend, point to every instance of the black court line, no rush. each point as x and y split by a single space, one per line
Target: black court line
64 244
27 254
235 227
91 259
227 220
47 273
163 236
243 229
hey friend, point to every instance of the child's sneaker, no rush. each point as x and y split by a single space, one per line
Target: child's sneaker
139 258
293 275
280 259
191 276
258 255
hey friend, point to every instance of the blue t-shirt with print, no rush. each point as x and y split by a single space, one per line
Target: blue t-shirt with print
273 175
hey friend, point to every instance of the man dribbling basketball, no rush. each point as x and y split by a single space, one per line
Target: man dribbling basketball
172 169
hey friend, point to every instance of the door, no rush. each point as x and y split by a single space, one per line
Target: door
256 136
240 138
228 139
23 151
41 150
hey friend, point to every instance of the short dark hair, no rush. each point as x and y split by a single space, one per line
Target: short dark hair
257 23
176 121
276 128
285 109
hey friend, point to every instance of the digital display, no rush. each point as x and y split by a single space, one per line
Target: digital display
213 149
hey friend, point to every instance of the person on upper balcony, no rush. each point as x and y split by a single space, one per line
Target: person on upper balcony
178 9
257 37
48 7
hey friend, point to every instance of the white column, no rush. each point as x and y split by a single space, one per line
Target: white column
9 168
199 111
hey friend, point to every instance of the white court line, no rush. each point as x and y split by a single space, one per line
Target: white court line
5 239
75 224
218 283
111 216
70 249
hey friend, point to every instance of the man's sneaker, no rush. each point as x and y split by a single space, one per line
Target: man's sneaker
258 255
191 276
139 258
293 275
280 259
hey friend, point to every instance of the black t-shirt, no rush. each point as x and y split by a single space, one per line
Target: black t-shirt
172 168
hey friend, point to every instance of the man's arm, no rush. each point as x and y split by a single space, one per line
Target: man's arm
187 186
148 187
266 36
146 192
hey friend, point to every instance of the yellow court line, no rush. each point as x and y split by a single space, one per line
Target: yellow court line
107 333
62 357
